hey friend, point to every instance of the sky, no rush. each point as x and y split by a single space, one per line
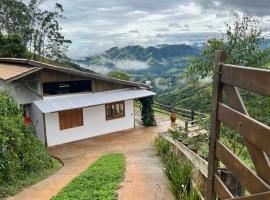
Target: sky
97 25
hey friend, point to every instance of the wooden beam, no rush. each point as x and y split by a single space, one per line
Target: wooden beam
259 158
254 79
260 196
215 125
246 126
247 178
220 188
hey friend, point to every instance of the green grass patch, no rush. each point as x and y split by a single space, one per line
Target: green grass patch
15 186
99 182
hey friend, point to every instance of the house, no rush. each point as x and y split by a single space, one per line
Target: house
66 105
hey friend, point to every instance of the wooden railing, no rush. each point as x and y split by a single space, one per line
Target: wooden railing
192 119
227 78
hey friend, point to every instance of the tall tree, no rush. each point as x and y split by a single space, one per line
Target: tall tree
39 29
12 46
242 43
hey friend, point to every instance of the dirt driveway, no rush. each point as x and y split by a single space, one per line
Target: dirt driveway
144 179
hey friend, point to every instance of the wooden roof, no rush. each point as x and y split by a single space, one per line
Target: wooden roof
9 71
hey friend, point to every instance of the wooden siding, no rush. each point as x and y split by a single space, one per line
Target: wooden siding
47 75
100 86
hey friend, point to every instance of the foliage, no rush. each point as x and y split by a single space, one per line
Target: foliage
100 181
12 188
162 146
12 46
193 96
178 172
119 75
179 176
175 134
14 18
39 29
21 153
147 112
241 42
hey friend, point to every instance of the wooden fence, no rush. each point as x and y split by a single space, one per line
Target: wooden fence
227 78
191 118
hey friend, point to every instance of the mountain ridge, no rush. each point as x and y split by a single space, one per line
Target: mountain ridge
159 59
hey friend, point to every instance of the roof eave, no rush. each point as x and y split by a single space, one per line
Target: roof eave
23 75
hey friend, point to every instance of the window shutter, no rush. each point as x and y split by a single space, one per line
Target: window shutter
70 118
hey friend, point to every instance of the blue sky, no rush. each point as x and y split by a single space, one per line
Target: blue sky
97 25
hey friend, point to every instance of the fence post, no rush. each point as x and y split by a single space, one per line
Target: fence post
215 125
192 117
186 126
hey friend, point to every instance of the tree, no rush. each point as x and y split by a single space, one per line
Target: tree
12 46
119 75
14 18
39 29
242 43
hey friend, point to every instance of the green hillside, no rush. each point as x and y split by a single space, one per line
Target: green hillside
157 60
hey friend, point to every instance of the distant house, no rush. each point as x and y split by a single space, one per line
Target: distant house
67 105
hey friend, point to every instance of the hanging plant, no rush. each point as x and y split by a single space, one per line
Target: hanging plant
147 111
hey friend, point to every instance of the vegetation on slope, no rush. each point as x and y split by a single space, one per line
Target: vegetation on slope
100 181
24 160
178 172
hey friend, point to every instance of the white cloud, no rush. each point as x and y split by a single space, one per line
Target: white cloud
96 68
130 65
95 26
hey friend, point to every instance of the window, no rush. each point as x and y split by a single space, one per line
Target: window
70 118
54 88
115 110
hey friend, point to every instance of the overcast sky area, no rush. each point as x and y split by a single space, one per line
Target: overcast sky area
97 25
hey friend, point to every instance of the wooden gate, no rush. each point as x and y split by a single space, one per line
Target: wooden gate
227 78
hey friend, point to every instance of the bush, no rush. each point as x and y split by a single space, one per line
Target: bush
178 172
148 117
21 153
162 146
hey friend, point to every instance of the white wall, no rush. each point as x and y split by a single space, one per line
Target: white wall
37 118
21 94
95 123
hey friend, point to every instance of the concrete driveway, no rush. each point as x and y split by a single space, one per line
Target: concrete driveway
144 178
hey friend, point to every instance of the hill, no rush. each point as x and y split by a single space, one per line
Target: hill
139 60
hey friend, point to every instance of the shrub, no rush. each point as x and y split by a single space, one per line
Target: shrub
178 172
174 133
162 146
148 117
21 153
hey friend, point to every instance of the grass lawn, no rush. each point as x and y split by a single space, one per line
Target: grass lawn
100 181
12 188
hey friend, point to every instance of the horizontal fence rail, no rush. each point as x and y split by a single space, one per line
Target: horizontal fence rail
256 135
192 119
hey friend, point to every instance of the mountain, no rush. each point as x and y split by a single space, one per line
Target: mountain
135 59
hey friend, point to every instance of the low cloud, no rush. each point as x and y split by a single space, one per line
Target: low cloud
130 65
96 68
